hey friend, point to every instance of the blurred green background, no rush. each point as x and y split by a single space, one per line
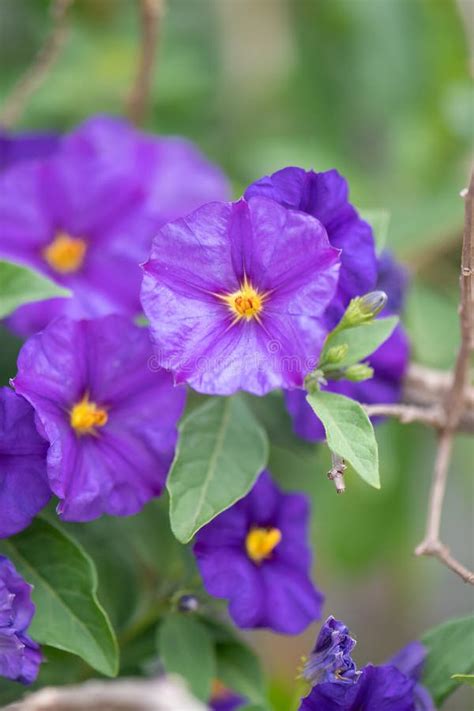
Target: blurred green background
380 89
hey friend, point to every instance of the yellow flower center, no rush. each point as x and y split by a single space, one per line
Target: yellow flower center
245 303
65 254
261 542
85 416
219 692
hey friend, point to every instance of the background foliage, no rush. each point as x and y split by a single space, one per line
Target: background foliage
380 89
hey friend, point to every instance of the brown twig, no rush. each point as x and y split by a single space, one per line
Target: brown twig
336 473
44 61
454 404
138 100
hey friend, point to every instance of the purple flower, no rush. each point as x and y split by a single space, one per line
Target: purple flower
389 362
392 278
109 419
223 699
382 688
338 686
326 197
410 661
20 657
331 658
15 148
235 294
257 556
85 215
24 488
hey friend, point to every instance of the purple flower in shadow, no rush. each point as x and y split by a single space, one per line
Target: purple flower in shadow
20 657
256 555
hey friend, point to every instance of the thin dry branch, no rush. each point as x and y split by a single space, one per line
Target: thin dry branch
454 404
138 100
42 64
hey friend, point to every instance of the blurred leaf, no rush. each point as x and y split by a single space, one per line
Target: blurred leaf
450 651
379 220
221 451
238 667
20 285
349 433
464 679
68 614
362 341
185 648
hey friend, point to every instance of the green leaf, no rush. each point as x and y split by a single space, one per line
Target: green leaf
349 433
186 648
450 652
361 340
68 614
379 220
221 451
464 679
20 285
238 667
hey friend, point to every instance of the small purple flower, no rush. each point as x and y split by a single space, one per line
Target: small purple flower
85 215
15 148
256 555
109 418
382 688
223 699
326 196
331 658
235 294
24 488
20 657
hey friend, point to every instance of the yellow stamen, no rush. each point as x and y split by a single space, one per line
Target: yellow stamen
245 303
261 542
85 416
65 254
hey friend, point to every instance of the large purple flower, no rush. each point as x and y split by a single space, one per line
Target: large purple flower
257 556
235 294
326 196
20 657
15 148
85 215
410 661
109 419
24 488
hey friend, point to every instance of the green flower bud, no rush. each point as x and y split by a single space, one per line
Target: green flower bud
363 309
357 373
336 353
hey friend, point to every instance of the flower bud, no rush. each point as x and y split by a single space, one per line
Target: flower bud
363 309
357 373
336 353
188 603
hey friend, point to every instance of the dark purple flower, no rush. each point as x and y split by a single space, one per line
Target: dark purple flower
109 418
256 555
389 362
24 488
235 294
331 658
223 699
15 148
382 688
410 661
85 215
392 278
20 657
326 196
